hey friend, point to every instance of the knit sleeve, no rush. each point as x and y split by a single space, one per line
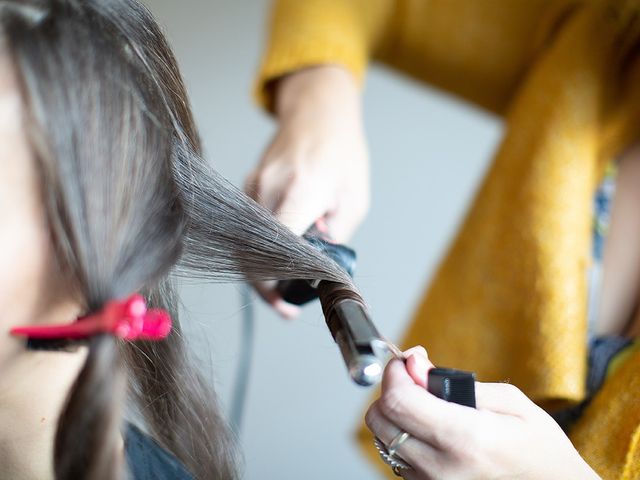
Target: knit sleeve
315 32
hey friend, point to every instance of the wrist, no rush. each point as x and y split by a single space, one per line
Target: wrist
325 89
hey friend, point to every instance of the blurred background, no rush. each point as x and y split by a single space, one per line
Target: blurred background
428 154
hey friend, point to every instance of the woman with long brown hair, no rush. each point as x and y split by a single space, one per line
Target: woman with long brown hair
104 196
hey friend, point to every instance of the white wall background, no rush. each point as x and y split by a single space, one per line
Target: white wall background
428 153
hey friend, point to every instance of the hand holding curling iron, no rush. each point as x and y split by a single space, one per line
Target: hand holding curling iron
447 440
317 165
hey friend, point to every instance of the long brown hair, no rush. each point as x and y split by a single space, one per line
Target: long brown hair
130 203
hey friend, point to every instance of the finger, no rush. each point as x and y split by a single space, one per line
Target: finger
269 182
298 209
503 398
269 294
417 350
416 453
418 365
266 185
418 368
343 223
426 417
395 375
345 218
285 309
251 185
411 474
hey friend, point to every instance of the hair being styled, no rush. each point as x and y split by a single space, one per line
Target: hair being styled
130 202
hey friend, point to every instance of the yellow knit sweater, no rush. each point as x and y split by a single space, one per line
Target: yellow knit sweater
509 299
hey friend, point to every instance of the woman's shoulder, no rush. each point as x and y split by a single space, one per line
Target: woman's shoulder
147 460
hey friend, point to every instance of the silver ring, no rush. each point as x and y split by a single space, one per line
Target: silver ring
394 461
397 471
397 441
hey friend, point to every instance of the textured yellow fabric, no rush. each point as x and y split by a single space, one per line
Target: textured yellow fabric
509 299
608 434
447 43
622 357
314 32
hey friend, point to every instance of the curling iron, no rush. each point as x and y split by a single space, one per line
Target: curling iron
354 332
344 312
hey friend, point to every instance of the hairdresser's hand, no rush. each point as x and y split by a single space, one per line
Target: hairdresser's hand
508 436
317 164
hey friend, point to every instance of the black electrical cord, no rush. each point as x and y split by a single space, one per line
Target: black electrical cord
243 371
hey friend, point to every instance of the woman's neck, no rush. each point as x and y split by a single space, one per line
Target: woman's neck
33 389
32 395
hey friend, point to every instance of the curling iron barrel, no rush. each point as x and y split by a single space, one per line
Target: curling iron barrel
352 330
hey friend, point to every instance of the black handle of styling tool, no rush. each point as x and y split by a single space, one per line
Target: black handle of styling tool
301 291
452 385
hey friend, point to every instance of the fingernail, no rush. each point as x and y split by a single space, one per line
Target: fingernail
287 310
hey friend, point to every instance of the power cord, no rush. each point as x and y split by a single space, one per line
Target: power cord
243 372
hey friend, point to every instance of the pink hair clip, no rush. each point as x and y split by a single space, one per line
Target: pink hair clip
128 319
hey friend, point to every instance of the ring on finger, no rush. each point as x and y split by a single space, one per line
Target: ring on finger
397 441
394 461
397 470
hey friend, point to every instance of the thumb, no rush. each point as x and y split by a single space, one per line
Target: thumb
418 368
503 398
